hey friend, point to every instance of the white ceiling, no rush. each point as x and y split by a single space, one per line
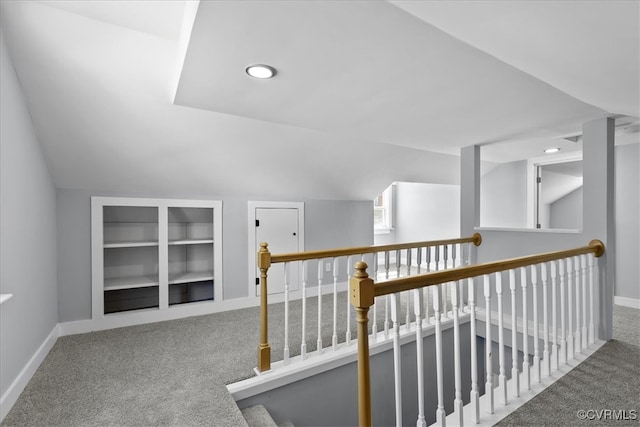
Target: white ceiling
151 96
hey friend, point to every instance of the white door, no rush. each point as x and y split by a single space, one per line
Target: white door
280 229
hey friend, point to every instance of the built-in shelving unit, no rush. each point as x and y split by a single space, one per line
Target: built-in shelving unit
152 254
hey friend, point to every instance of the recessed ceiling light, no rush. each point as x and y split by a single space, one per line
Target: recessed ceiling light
261 71
552 150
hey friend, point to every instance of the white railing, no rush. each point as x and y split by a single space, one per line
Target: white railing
388 262
552 275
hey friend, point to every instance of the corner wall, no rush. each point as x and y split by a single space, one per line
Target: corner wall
28 264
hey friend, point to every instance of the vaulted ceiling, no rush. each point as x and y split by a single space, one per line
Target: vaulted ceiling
151 96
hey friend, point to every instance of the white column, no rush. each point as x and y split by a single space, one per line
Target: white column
374 326
397 356
440 413
570 340
347 337
546 360
554 316
417 309
515 376
583 267
488 386
320 277
591 302
578 345
303 345
563 314
334 337
286 313
536 328
474 397
526 371
502 378
457 402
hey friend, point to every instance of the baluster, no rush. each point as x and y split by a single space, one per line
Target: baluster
570 340
347 336
592 333
437 263
418 259
408 318
583 266
563 326
374 326
526 371
554 316
546 360
502 378
457 402
446 297
386 297
474 396
286 313
417 307
577 346
488 387
440 413
320 277
397 360
334 337
303 345
536 327
515 376
427 316
398 264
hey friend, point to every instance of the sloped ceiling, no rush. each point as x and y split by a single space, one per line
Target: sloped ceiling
141 96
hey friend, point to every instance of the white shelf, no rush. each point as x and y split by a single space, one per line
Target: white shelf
130 283
191 242
133 244
201 276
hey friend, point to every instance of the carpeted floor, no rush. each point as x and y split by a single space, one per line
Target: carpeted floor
174 373
166 373
609 380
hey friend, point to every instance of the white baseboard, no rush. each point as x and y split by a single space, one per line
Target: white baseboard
10 397
140 317
627 302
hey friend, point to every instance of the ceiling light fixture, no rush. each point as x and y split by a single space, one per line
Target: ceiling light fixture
261 71
552 150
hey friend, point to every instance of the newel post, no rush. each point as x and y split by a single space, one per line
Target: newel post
361 294
264 350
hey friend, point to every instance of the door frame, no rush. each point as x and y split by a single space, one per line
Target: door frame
251 232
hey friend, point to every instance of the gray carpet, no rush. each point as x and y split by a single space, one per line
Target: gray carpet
166 373
608 380
174 373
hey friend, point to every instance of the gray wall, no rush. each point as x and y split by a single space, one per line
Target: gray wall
328 224
503 196
423 212
27 232
627 221
566 212
306 402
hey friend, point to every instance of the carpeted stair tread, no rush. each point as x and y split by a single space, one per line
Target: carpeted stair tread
258 416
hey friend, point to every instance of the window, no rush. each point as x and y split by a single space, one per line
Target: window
383 211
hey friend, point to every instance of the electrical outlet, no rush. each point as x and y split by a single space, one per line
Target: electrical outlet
327 267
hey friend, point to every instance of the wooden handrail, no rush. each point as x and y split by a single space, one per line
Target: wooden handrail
438 277
265 259
476 239
363 292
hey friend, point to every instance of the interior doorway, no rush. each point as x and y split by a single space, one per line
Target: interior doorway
281 225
